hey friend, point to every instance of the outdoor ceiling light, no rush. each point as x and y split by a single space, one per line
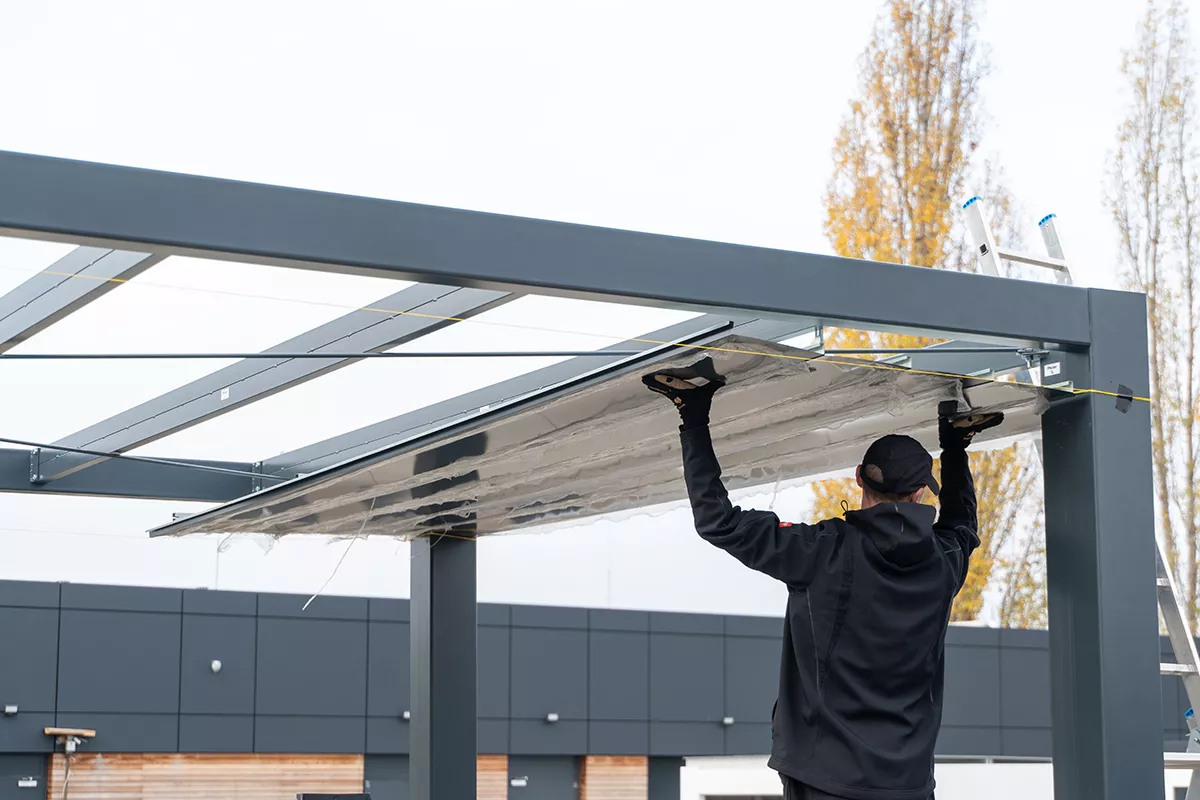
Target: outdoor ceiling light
605 444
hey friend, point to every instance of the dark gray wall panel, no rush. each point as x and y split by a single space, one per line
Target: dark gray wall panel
387 735
664 778
204 601
387 609
604 619
748 739
15 768
686 739
230 640
28 658
324 607
23 733
210 733
687 623
969 635
686 678
493 679
763 627
127 733
311 667
386 777
1025 688
619 676
1174 699
29 594
1025 742
1174 704
543 683
119 661
957 740
491 736
121 598
310 734
388 665
529 737
973 686
547 778
751 677
493 614
618 738
1015 637
549 617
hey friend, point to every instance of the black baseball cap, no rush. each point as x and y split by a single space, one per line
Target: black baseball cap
905 465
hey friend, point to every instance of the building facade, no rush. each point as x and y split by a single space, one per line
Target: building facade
190 690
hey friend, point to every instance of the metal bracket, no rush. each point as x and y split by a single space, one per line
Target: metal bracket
1033 356
35 466
256 484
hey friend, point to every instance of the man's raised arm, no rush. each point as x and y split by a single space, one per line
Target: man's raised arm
787 552
958 521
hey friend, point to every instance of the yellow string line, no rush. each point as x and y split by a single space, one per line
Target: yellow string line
857 362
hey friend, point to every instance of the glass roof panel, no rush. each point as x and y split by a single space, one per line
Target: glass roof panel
21 259
378 389
181 305
610 446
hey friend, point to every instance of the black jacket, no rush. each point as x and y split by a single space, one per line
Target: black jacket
860 687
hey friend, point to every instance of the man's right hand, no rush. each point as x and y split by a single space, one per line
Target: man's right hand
692 400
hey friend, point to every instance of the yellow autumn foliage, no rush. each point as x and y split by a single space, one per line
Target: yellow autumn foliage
902 158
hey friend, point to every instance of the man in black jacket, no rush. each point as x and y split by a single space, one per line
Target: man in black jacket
860 687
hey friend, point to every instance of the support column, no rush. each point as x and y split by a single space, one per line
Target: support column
442 621
1104 646
442 611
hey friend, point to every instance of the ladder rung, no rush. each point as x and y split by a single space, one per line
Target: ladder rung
1182 760
1178 669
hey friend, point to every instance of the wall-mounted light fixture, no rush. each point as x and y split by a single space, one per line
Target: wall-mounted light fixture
215 666
727 721
10 711
520 783
552 717
407 715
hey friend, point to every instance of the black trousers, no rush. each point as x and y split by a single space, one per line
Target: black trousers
794 790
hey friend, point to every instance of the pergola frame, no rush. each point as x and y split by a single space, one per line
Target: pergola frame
1098 492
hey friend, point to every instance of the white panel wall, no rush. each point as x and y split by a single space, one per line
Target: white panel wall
750 776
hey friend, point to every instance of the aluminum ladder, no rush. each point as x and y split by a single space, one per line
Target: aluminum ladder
1183 644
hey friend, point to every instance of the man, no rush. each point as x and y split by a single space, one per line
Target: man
860 688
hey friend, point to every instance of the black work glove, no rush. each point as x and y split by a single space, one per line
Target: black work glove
956 432
692 397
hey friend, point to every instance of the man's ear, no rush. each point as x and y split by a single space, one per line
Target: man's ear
919 497
858 475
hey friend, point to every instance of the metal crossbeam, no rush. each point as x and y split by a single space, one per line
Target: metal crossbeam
233 221
253 379
382 434
130 479
76 279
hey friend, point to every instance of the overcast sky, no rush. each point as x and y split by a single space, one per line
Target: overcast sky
701 119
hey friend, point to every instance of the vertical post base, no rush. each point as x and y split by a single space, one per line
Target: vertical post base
442 620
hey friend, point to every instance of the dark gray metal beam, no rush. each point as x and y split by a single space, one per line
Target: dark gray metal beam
442 671
381 434
131 479
253 379
443 642
1104 644
70 200
76 279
